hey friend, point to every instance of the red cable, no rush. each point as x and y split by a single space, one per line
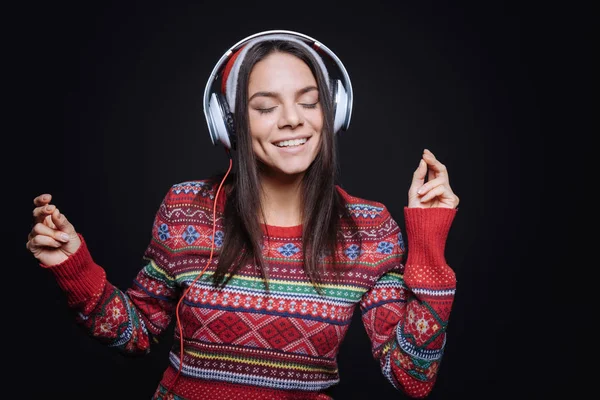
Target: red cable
192 284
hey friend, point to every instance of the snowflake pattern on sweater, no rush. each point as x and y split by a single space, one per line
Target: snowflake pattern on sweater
281 344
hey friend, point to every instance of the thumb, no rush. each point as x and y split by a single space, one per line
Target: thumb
419 174
62 223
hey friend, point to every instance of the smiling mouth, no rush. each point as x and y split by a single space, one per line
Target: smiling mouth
291 143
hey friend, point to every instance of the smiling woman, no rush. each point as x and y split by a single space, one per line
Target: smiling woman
262 267
285 116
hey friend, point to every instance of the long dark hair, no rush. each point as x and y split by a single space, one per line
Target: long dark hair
322 206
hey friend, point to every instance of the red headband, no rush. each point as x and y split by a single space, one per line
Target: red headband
228 68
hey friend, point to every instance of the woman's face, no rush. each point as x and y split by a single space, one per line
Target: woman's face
284 113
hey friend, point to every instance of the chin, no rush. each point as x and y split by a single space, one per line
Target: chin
287 170
283 166
292 171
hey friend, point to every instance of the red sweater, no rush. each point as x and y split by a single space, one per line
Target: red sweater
242 342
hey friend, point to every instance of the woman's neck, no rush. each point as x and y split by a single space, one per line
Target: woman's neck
282 200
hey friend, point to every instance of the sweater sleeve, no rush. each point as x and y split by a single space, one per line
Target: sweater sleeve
406 312
126 320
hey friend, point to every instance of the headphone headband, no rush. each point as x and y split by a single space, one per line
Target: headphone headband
218 116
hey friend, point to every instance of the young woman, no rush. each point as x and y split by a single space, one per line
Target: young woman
263 266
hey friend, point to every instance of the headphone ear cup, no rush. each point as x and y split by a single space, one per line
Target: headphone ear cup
221 121
340 105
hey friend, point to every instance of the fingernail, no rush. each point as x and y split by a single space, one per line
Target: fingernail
49 208
420 190
63 237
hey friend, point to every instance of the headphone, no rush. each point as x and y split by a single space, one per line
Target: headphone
217 105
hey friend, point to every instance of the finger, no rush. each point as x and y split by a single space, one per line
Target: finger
41 229
440 180
41 241
419 174
42 199
427 157
433 193
62 223
434 163
430 174
48 222
39 213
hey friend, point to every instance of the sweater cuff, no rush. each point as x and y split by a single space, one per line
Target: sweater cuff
427 230
79 276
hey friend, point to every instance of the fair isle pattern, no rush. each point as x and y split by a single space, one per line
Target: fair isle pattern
364 210
289 338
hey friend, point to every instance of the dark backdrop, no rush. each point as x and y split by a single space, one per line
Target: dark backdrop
109 104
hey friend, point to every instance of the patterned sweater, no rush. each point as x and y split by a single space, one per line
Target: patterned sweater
242 342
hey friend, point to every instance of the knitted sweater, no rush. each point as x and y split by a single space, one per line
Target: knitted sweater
242 342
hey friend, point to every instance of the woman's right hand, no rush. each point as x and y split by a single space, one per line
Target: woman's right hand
53 238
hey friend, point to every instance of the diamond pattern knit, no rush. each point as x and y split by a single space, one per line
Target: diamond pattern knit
242 342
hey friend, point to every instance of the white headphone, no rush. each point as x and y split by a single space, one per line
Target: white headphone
217 105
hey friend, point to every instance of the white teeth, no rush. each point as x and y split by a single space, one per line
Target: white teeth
288 143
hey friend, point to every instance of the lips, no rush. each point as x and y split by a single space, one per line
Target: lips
291 138
292 149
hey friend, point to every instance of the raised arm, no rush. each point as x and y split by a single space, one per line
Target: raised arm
406 312
126 319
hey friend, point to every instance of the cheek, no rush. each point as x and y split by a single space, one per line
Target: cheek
260 125
260 131
316 120
317 144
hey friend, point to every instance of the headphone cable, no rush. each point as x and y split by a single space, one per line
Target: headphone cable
197 277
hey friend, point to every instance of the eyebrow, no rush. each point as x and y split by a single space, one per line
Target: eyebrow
275 94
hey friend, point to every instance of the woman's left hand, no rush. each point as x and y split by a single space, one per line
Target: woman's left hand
436 192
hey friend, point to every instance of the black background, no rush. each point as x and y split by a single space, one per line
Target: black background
109 106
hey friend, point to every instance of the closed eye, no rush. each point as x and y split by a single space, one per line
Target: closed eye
265 110
268 110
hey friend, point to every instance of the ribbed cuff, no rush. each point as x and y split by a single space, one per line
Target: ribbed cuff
78 276
427 230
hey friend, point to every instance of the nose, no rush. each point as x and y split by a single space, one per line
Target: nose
290 116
